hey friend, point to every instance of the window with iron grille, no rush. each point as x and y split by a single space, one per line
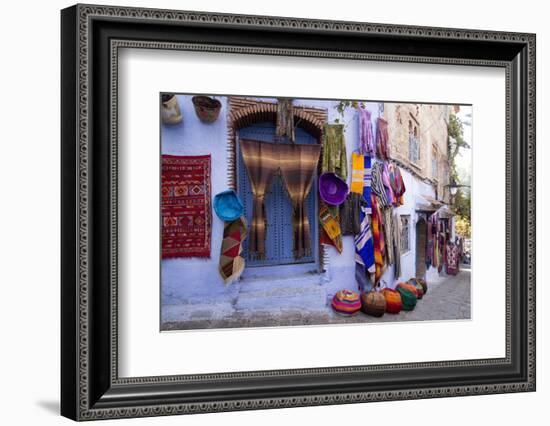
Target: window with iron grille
405 232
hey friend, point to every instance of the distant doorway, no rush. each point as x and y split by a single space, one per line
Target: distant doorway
421 230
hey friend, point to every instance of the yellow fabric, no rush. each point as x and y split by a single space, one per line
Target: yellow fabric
357 171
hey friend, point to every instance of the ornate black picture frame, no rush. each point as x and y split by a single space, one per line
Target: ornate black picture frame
91 36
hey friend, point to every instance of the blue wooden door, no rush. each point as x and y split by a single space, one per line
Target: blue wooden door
278 208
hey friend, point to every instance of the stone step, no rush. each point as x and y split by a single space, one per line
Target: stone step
253 284
196 311
280 295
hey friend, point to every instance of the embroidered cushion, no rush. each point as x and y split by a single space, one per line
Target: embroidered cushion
346 302
408 296
393 301
411 287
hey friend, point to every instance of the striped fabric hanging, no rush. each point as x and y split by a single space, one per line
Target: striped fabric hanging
377 185
364 251
378 238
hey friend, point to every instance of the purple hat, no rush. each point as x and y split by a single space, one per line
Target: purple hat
332 188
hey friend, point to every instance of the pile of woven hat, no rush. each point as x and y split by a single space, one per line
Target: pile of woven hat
376 303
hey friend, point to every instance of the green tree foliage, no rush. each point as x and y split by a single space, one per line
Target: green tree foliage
456 142
463 227
461 200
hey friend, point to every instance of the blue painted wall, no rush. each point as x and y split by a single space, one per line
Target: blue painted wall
196 281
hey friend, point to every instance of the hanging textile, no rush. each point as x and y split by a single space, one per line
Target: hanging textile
231 262
388 234
357 173
186 206
349 216
367 182
261 162
362 276
332 234
382 138
441 245
397 184
387 185
377 186
378 239
364 251
435 259
366 134
364 243
361 177
429 242
451 259
397 245
334 150
285 119
297 164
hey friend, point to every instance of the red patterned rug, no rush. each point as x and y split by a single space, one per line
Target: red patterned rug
186 206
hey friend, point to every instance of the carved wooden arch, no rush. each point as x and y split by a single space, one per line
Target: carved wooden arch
244 112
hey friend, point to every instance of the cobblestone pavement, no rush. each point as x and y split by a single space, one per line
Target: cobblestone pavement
446 299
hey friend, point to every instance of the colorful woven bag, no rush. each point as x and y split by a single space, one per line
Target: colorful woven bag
408 296
373 303
346 302
393 301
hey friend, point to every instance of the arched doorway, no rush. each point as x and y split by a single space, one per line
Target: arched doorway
255 120
421 230
278 207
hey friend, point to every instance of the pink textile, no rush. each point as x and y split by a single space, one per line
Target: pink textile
366 134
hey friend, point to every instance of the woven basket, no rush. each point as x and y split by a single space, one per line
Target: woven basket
206 108
393 301
373 303
170 111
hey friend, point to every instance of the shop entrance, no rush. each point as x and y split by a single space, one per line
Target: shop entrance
421 229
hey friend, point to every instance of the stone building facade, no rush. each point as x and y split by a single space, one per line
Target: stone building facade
418 136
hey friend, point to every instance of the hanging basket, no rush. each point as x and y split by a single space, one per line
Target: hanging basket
206 108
170 109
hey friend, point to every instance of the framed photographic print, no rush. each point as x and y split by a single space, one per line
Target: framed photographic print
264 212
